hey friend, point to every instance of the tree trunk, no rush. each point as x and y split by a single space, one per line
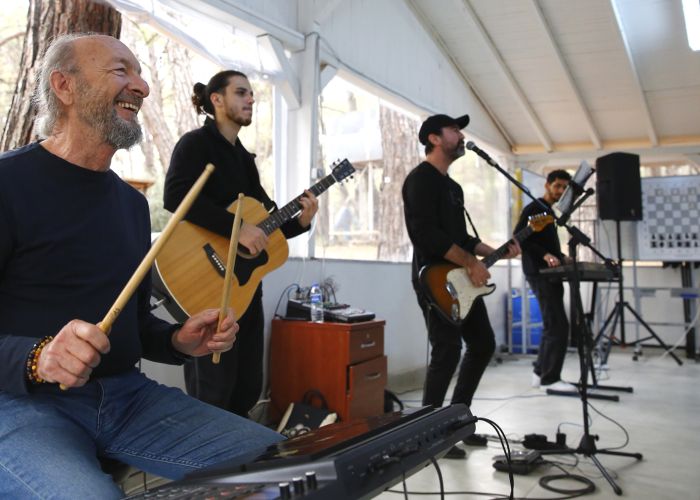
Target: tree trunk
46 20
400 156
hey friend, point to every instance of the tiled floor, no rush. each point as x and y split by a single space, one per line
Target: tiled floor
662 417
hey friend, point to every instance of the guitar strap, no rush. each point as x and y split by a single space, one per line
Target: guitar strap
476 233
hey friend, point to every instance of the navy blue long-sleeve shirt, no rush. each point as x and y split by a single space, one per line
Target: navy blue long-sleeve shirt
70 239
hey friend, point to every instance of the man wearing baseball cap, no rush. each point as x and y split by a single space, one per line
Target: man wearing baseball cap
435 218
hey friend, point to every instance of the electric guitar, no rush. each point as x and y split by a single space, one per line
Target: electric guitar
190 268
448 286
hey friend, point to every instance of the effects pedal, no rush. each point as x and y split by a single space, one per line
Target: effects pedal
522 461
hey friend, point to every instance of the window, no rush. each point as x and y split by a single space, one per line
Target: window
485 197
363 218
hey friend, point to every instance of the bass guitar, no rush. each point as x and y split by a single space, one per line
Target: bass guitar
190 268
448 286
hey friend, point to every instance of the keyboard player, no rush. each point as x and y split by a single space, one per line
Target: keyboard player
542 250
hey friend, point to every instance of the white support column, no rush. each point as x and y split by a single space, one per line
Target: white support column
302 126
280 142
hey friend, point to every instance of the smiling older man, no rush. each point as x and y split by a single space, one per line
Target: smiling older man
71 235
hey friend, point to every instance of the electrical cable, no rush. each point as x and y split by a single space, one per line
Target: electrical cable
506 451
439 473
627 436
588 488
287 290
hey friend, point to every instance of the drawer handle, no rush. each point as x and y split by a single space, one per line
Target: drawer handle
367 345
373 376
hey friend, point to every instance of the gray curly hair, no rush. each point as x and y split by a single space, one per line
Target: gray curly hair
60 56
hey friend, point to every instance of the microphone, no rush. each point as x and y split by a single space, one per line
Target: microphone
473 147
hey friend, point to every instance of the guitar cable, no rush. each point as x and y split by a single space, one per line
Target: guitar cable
287 291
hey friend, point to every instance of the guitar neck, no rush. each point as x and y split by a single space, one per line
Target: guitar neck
490 260
292 209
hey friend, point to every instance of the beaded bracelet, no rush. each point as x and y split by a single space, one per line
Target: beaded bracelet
33 360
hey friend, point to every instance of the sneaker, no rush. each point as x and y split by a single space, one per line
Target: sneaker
535 381
560 385
456 453
476 440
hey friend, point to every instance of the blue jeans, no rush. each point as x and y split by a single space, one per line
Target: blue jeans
50 440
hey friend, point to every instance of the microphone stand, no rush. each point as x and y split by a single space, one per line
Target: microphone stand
587 445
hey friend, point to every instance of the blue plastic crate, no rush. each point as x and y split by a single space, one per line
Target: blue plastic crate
535 332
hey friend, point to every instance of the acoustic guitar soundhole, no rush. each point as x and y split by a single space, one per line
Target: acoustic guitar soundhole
243 268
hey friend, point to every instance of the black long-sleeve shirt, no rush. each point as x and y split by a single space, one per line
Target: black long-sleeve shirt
235 173
434 214
538 244
70 239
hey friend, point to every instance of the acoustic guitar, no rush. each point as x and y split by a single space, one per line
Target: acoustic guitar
190 269
448 286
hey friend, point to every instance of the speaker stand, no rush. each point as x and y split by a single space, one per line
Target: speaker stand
618 315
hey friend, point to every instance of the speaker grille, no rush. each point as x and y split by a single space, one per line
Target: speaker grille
619 187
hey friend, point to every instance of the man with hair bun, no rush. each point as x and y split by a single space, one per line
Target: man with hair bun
235 383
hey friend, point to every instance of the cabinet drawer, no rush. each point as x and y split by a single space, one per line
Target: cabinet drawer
366 383
366 344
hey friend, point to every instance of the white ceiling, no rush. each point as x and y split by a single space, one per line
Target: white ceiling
575 76
559 79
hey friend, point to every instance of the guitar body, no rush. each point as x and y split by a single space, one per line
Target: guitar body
448 286
190 267
451 291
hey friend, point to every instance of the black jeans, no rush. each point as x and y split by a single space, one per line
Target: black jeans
555 331
236 382
446 346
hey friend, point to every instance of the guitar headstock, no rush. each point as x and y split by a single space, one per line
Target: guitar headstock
342 169
540 221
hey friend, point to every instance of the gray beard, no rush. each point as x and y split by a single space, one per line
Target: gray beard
118 133
121 134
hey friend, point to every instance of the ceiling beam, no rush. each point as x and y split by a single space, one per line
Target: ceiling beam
241 17
639 90
440 43
693 159
512 84
588 120
289 84
685 145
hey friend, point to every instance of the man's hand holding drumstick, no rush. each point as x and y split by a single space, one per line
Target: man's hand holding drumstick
77 349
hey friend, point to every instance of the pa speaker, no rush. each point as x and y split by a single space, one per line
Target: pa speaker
619 187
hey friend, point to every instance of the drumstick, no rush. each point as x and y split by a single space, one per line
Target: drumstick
228 277
106 324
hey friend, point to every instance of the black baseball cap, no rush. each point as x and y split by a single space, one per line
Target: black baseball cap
434 124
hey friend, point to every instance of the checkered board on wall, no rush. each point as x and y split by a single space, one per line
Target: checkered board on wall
670 229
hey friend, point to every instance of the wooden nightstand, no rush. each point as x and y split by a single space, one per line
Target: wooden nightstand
345 361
